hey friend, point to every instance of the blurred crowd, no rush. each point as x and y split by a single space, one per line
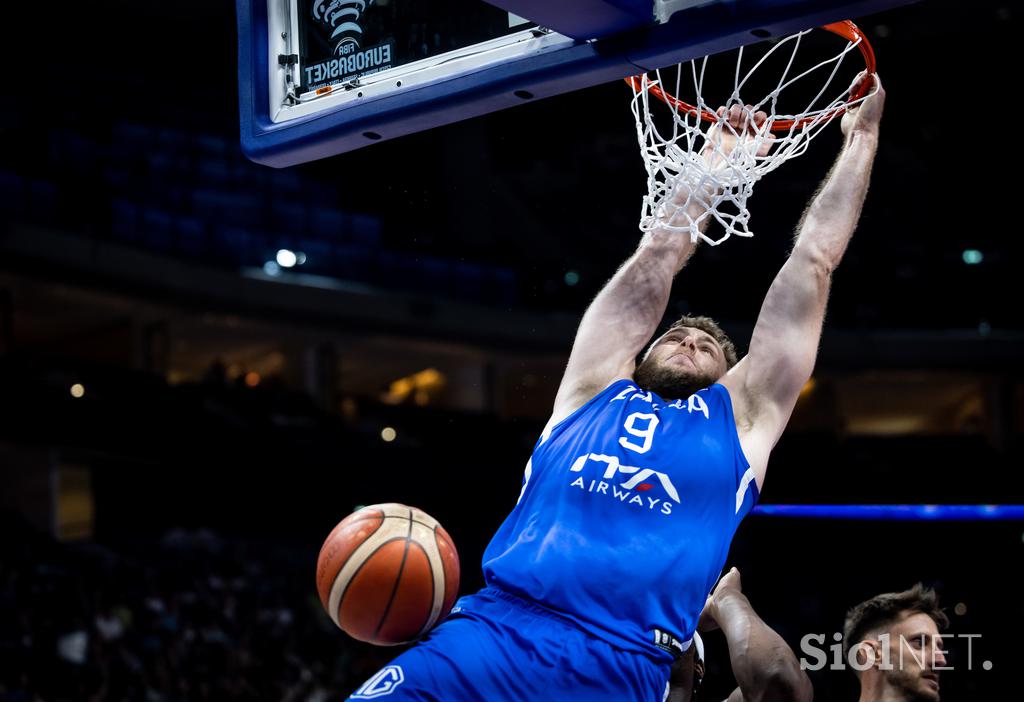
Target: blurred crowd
190 617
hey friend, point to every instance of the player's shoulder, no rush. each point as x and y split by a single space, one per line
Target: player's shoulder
565 412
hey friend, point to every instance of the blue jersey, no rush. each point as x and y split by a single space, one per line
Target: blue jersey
626 514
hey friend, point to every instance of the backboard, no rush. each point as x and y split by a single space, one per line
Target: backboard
321 77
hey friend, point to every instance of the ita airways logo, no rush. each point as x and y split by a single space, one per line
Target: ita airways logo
381 684
342 20
644 488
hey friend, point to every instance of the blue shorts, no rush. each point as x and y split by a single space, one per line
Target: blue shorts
497 647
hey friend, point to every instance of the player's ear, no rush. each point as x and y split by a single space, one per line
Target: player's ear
868 654
650 347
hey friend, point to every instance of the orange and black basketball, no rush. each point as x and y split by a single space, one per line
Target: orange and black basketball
387 574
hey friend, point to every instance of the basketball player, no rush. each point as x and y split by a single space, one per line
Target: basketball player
596 579
904 628
765 668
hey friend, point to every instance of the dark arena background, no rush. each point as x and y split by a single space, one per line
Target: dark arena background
183 420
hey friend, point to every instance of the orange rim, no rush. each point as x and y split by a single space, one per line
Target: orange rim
845 28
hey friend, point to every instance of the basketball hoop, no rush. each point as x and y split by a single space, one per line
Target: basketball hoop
688 165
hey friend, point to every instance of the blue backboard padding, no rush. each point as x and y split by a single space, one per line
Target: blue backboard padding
696 32
583 19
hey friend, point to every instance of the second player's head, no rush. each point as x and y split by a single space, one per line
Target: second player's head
693 354
898 634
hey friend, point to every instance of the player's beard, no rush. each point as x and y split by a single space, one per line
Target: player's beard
912 686
670 383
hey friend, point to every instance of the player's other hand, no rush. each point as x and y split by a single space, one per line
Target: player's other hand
865 116
728 586
738 125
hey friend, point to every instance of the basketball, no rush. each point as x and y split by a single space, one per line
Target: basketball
387 574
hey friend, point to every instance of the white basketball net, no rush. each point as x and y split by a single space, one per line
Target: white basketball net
690 166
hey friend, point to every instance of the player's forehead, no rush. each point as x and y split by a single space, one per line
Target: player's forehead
915 623
683 331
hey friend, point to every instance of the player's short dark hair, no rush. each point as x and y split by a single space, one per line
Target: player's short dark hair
888 608
710 326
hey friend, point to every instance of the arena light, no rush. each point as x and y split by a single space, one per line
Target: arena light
77 390
571 278
972 257
808 388
420 387
286 258
388 434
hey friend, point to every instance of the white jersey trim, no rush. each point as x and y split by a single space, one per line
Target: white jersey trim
745 481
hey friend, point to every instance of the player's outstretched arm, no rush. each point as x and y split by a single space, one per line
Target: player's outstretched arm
621 319
765 667
766 383
627 311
